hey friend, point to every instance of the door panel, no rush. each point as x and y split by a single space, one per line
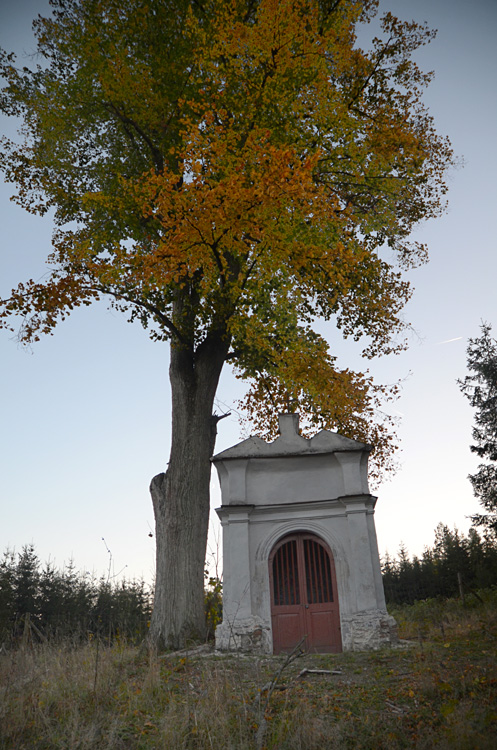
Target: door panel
303 595
286 588
289 623
287 630
318 572
324 632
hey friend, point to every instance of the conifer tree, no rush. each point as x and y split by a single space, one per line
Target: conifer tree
480 388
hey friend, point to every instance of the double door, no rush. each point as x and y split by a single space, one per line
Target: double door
304 599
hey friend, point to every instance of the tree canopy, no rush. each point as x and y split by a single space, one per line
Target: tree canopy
232 169
227 173
480 388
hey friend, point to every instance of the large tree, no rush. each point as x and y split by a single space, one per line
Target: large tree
480 388
227 173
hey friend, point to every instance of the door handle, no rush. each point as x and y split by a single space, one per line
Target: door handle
307 606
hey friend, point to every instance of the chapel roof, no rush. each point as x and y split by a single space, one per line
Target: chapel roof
291 443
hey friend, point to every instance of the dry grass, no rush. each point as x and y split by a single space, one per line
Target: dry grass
438 692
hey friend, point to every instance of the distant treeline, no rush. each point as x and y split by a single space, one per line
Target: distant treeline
456 565
41 602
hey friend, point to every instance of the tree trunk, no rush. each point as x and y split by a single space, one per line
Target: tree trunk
181 497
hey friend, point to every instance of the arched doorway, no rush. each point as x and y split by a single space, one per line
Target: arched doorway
304 599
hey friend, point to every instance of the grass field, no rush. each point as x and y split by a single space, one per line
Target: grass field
438 690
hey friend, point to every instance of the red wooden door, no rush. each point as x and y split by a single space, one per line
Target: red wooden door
304 597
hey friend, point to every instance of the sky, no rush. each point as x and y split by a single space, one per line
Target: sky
84 414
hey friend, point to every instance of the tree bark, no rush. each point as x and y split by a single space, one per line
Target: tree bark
180 496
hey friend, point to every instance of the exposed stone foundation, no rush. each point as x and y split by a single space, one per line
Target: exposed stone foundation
250 635
364 631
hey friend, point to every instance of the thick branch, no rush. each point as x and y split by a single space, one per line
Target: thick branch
164 319
125 120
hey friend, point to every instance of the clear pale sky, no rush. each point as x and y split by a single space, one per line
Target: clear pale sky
85 413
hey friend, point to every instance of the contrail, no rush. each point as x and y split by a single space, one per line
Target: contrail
449 341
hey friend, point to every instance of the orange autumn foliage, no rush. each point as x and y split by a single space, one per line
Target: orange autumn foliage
232 168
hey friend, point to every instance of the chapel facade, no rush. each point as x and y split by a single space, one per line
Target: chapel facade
300 554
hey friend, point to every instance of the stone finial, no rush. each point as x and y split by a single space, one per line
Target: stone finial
289 426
